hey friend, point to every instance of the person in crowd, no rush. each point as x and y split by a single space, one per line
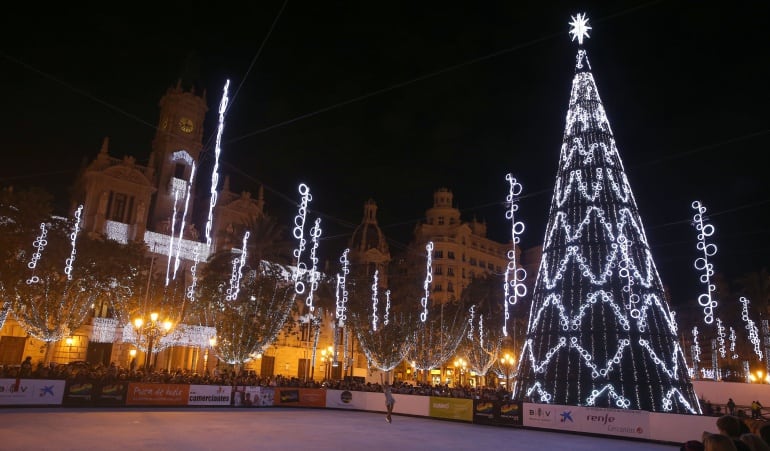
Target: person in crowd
26 367
732 426
718 442
764 432
754 442
730 406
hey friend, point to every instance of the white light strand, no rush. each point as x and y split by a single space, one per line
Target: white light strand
471 313
481 331
696 352
315 234
194 273
751 327
721 338
386 318
702 263
342 291
375 300
39 244
235 278
215 171
514 287
184 218
299 234
73 239
428 280
733 338
171 239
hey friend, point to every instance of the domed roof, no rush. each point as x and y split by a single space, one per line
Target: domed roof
368 234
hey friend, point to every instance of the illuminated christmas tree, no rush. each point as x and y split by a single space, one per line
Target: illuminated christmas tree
600 331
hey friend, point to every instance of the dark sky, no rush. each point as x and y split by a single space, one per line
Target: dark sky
393 100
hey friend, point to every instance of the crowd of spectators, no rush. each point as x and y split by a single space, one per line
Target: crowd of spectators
735 434
82 372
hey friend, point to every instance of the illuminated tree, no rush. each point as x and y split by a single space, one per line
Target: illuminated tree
436 340
600 331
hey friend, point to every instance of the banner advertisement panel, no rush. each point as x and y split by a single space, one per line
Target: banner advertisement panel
31 392
141 394
497 412
209 395
451 408
79 394
595 420
300 397
253 396
346 399
111 394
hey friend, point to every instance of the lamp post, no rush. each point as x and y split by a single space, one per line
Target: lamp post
152 330
327 356
507 362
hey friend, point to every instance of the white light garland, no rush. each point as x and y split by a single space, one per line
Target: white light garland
386 318
375 300
721 338
215 171
733 338
73 239
428 280
513 287
471 312
39 244
342 291
481 331
171 240
751 327
696 352
299 234
702 263
184 218
194 273
315 234
237 274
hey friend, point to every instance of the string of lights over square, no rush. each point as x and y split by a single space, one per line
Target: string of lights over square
600 330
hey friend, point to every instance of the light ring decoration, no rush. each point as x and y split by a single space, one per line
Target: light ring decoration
514 287
386 318
696 352
299 234
705 230
73 239
238 263
215 171
39 244
471 313
427 282
751 327
342 291
375 300
315 234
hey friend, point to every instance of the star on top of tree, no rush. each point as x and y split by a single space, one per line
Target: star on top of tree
579 28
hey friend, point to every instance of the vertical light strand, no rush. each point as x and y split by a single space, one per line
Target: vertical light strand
237 274
299 234
471 312
184 218
751 327
733 337
39 244
386 318
171 239
342 291
428 280
215 171
514 287
702 263
375 300
73 240
315 234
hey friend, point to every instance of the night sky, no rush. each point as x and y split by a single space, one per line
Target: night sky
390 101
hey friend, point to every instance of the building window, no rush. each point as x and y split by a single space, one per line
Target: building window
438 288
473 261
482 264
438 270
490 266
179 171
440 220
438 254
450 271
463 273
450 255
450 288
118 209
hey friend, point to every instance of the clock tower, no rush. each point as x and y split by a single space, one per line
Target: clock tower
175 151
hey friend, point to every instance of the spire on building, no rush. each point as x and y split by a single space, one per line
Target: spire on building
600 331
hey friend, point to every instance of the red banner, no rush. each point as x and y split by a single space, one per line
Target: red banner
140 394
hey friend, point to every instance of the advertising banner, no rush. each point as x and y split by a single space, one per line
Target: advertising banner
79 394
595 420
451 408
300 397
209 395
112 394
346 399
254 396
143 394
497 412
14 392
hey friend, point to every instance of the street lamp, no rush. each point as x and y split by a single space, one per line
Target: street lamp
461 364
507 362
152 330
327 356
759 377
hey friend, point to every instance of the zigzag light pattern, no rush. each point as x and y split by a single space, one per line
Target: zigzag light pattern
600 330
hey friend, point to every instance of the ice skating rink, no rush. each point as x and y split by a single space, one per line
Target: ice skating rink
232 429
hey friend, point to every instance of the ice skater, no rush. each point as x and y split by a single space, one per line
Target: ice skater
389 400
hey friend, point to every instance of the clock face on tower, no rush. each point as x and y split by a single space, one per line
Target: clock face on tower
186 125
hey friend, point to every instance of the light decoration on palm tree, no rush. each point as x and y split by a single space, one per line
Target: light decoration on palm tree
436 340
584 345
73 241
705 230
39 244
237 273
513 287
215 171
342 290
427 282
721 338
482 349
375 287
751 327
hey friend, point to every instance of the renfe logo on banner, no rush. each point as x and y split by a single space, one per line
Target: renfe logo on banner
595 420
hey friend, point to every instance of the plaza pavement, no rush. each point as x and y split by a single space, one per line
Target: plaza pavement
233 429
